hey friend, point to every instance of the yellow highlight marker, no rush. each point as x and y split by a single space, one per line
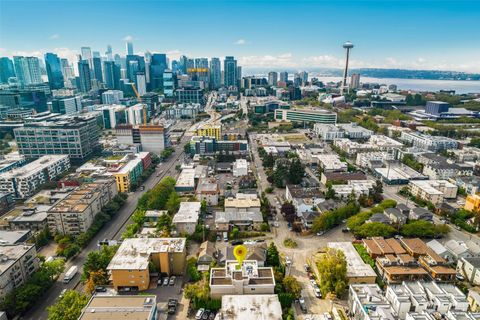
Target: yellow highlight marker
240 252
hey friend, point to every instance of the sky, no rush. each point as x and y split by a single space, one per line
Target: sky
422 34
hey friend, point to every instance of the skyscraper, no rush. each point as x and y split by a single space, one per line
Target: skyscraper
215 73
129 48
141 83
168 83
85 81
284 76
112 75
158 64
27 70
67 69
202 71
134 64
109 53
6 69
183 64
86 53
272 78
54 71
97 69
230 71
355 81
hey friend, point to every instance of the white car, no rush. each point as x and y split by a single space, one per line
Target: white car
288 261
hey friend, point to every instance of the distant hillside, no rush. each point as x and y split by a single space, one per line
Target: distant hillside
374 73
418 74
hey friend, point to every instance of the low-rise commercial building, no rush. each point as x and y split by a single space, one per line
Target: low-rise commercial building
331 163
129 268
185 220
17 263
186 181
24 181
396 173
341 177
76 212
357 270
261 307
243 203
108 307
434 191
240 168
328 132
208 191
306 115
247 279
372 160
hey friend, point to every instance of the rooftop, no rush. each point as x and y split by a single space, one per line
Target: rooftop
134 253
11 253
187 213
355 265
33 167
119 307
252 307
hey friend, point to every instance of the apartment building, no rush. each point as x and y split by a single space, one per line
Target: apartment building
428 142
261 307
76 212
243 203
247 279
17 263
76 136
355 131
357 187
109 307
371 160
328 132
408 300
129 169
440 168
24 181
434 191
186 181
207 189
129 268
472 203
210 130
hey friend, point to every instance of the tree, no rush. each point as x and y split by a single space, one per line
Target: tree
173 203
69 307
234 233
192 270
330 194
98 260
423 229
280 175
273 257
96 278
332 268
203 206
157 197
268 161
296 171
288 208
292 286
374 229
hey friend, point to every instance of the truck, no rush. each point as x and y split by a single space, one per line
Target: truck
70 274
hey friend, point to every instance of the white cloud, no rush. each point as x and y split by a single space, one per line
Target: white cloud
128 38
54 36
240 42
282 60
174 54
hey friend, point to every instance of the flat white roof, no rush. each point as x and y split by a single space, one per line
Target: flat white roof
33 167
186 178
355 265
188 212
251 307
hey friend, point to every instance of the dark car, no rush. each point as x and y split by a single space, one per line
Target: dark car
172 310
211 316
346 229
236 242
205 315
100 289
172 302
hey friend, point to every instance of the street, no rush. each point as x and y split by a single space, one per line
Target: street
111 230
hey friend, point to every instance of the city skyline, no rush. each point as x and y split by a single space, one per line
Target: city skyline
311 34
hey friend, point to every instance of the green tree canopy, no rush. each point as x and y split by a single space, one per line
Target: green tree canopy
332 267
69 307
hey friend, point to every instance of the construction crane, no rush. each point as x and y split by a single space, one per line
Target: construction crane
139 99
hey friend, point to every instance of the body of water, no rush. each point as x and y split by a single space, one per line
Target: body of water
460 87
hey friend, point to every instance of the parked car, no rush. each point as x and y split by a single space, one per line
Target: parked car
313 283
62 293
327 316
320 233
317 292
172 306
288 261
236 242
165 281
275 224
100 289
346 229
205 315
459 277
172 280
303 306
199 314
306 267
212 316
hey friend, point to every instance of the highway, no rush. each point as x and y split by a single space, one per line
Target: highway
111 230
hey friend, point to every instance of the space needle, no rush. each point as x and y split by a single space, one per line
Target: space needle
347 46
